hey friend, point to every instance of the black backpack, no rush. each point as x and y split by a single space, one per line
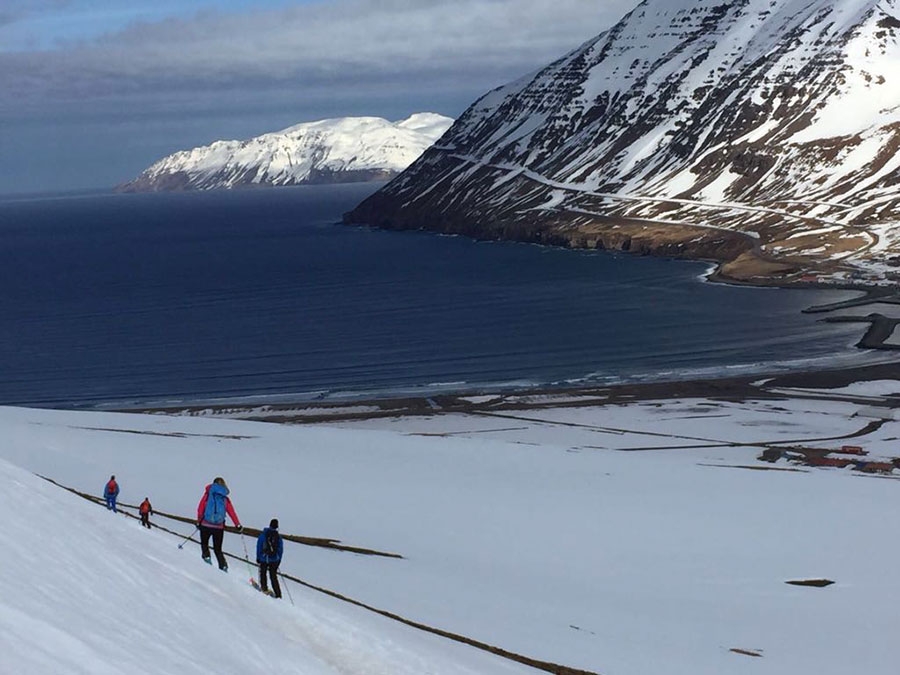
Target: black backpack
270 547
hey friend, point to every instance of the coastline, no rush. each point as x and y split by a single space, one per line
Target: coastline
734 388
881 329
581 370
740 259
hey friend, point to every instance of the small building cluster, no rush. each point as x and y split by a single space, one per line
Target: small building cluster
852 456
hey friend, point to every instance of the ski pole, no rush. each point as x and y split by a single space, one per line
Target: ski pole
247 556
181 545
288 587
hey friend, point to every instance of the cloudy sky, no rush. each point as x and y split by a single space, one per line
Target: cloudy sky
93 91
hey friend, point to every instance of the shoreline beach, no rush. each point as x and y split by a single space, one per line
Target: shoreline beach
739 388
755 385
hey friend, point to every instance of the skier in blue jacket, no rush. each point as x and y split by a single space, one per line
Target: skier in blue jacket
269 549
110 492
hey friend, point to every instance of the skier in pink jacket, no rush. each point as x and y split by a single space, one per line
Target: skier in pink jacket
211 512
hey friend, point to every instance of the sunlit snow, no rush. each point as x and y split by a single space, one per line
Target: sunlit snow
620 539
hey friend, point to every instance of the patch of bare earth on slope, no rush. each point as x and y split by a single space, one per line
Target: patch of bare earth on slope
749 266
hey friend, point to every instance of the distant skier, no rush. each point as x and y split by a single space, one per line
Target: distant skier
211 520
269 549
146 510
110 492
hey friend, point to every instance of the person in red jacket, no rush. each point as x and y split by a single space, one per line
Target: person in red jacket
146 510
211 511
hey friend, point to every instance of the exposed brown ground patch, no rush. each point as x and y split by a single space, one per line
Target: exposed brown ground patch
168 434
749 265
814 583
746 652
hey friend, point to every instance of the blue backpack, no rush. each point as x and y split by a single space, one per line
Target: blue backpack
214 514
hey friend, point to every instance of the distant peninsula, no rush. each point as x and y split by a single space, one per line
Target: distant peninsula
343 150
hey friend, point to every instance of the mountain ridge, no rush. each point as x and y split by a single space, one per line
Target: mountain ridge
346 149
760 134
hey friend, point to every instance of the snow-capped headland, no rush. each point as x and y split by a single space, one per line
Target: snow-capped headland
762 134
348 149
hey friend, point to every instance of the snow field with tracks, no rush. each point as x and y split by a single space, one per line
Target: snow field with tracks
619 539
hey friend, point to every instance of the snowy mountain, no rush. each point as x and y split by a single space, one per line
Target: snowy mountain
341 150
759 131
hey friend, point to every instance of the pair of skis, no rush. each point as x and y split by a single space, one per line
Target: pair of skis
255 584
253 581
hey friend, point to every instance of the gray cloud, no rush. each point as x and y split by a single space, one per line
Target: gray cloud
465 44
95 113
16 10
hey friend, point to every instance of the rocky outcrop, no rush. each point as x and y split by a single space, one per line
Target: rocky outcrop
572 231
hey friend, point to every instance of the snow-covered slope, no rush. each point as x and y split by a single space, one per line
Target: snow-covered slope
628 539
83 591
777 119
327 151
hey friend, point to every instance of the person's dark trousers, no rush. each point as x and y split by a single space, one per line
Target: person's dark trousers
111 503
272 569
145 520
217 535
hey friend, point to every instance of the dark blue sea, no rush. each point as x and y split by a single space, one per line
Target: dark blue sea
146 299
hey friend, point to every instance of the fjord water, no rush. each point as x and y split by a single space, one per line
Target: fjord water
129 299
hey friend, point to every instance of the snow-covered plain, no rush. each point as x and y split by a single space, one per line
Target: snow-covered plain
618 539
